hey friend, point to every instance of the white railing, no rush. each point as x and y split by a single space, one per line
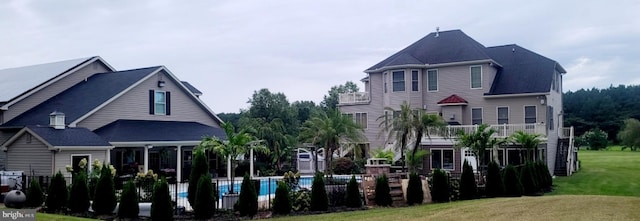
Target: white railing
502 130
354 98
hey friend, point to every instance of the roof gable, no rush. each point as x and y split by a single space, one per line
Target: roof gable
82 97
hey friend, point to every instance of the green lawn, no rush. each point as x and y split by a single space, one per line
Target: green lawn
46 216
611 172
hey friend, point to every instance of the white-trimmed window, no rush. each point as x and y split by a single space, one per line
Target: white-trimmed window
361 120
476 77
160 102
503 115
476 116
398 80
414 80
442 159
551 117
432 80
75 161
530 115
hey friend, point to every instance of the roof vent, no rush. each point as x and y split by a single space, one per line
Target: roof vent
437 32
513 49
56 120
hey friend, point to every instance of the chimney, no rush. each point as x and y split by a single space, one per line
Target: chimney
56 120
437 32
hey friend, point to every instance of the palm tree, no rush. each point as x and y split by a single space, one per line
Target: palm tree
236 145
478 141
381 153
424 124
399 126
329 129
414 160
528 141
274 135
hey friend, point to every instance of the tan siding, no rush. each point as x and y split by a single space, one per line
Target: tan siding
63 158
4 136
374 110
54 89
135 105
34 156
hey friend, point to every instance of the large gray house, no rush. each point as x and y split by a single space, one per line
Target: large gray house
450 74
53 115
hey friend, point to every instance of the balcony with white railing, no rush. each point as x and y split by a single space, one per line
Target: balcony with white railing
353 98
502 130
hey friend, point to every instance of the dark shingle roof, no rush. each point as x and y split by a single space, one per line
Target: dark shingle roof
76 136
449 46
82 97
522 71
191 88
142 130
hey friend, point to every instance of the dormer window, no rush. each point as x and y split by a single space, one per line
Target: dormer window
159 102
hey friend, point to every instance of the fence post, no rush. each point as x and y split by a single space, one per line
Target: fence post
269 197
175 195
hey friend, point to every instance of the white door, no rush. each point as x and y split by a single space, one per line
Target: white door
467 155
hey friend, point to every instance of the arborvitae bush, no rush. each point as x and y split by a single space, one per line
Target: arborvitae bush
205 200
161 205
512 185
248 199
415 195
57 193
545 176
440 186
468 187
319 198
282 202
79 195
199 168
35 197
105 201
352 198
383 192
129 207
494 186
527 180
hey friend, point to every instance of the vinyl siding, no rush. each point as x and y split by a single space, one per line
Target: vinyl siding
4 136
54 89
135 105
34 156
63 158
374 109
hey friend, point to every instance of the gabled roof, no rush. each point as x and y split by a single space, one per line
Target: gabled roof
436 48
191 88
23 80
453 100
522 71
82 97
63 138
143 130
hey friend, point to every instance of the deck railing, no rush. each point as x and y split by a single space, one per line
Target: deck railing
502 130
354 98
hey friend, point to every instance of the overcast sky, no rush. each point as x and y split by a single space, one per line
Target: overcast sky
229 49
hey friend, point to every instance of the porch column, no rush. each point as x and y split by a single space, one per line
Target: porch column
229 168
146 157
179 164
107 157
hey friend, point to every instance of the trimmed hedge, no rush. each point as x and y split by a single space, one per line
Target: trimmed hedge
440 186
528 180
319 198
352 198
415 195
129 207
494 186
248 199
58 193
468 186
512 185
79 195
282 202
383 192
161 205
35 197
200 168
205 200
104 201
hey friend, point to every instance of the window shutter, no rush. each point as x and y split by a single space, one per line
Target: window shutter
168 102
151 102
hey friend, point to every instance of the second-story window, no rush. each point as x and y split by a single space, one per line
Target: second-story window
414 81
530 114
398 80
432 80
476 77
476 116
159 102
503 115
361 120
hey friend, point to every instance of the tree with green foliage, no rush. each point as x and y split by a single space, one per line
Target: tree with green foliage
319 197
129 207
415 195
468 186
414 160
235 146
35 197
596 138
440 186
280 144
629 135
248 199
528 180
383 192
543 172
79 195
105 201
512 185
199 168
352 198
57 194
494 186
478 141
331 100
161 205
328 130
204 207
530 142
381 153
423 124
282 202
398 124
